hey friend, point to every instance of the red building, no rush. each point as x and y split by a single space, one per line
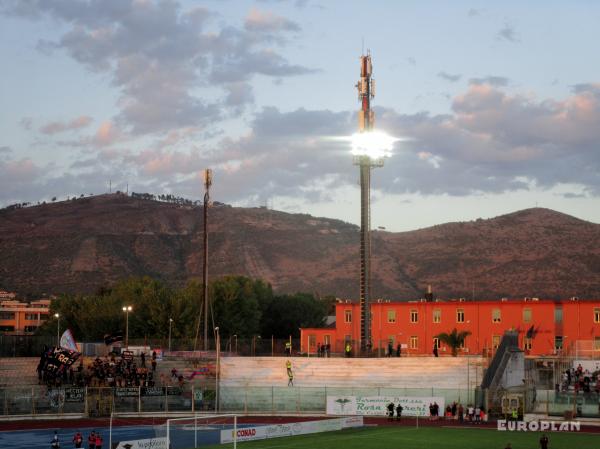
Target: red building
545 326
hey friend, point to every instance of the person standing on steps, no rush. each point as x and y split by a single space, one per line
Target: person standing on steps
290 374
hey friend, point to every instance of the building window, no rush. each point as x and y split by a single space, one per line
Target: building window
496 316
30 328
347 316
558 343
596 343
558 315
43 316
347 338
7 315
7 328
391 316
414 316
437 316
436 342
31 316
414 342
392 340
327 339
527 343
495 341
460 315
596 314
526 315
312 340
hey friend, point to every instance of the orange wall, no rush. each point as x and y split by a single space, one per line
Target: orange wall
577 324
19 322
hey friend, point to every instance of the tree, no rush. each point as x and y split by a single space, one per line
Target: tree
454 339
286 314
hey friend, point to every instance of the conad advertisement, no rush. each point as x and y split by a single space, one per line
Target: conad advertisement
377 405
290 429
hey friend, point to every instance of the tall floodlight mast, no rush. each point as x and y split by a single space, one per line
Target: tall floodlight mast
207 184
366 161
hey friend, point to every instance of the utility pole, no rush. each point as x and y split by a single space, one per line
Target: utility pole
207 184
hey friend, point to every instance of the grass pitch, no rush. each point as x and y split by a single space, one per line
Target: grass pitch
423 438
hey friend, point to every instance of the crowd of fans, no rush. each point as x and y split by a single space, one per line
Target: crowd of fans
580 380
108 371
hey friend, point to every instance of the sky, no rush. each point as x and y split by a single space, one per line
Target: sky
497 104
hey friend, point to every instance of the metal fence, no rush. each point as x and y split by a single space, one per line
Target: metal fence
314 399
101 401
569 403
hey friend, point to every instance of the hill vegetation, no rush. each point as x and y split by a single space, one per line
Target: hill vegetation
82 245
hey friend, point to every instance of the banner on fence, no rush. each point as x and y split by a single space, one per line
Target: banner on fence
377 405
150 443
125 392
153 391
290 429
74 394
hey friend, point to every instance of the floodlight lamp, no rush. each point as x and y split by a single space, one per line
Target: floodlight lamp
56 315
373 144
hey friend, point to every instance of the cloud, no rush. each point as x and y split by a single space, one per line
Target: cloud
490 142
593 88
265 21
507 33
5 150
59 127
173 67
449 77
497 81
26 123
474 12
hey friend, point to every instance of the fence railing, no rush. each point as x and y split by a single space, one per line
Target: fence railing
101 401
95 401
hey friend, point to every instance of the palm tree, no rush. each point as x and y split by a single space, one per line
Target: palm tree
454 339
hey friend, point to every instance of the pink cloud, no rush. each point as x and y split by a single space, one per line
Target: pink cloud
58 127
107 134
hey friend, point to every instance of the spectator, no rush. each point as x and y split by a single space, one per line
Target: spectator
390 350
390 408
398 350
399 409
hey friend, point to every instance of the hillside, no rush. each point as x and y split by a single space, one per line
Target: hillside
78 246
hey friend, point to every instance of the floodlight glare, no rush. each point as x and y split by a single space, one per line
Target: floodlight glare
373 144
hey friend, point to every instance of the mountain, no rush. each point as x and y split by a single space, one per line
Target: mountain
84 244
